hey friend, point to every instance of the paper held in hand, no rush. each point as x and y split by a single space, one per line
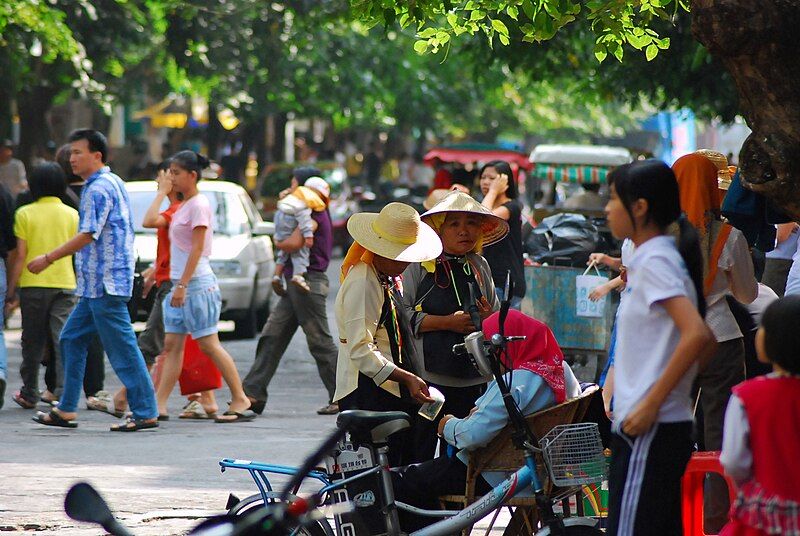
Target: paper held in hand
430 410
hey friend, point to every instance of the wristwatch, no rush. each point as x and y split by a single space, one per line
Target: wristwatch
180 285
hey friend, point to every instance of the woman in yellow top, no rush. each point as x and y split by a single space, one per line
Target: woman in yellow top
374 367
47 298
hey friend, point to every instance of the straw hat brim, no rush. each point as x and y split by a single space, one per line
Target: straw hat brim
434 197
494 227
426 247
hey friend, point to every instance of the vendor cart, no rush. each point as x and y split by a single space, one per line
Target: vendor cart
550 298
559 170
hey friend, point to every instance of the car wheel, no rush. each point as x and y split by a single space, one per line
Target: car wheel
246 327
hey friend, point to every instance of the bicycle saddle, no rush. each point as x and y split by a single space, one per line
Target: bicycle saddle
377 425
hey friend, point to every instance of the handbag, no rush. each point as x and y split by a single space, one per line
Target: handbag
584 284
199 373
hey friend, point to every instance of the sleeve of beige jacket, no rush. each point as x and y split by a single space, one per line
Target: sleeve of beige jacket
362 303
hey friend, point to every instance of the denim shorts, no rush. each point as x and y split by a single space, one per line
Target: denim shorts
199 314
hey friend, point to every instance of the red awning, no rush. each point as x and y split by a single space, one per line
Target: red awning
468 156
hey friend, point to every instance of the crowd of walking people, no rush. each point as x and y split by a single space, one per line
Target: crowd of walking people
683 373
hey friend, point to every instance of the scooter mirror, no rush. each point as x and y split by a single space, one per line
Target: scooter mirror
84 503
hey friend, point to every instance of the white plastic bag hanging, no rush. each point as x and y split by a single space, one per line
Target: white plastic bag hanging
584 285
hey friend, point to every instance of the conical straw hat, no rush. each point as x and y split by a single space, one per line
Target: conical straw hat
494 228
397 233
434 197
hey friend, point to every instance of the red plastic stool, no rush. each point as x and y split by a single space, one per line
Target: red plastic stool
692 489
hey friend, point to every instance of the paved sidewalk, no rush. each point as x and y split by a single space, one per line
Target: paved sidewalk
158 482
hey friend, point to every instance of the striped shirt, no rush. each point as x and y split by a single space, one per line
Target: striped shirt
106 265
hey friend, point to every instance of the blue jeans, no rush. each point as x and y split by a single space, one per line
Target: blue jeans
107 316
3 351
516 301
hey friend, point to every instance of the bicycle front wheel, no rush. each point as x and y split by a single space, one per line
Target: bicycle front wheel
320 527
581 531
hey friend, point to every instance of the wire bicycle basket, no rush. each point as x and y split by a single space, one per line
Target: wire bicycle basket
573 454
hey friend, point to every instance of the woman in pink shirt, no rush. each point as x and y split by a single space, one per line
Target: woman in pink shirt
193 304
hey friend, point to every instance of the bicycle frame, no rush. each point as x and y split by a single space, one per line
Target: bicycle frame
520 480
525 477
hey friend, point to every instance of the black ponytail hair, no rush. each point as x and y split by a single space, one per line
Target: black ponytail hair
191 161
654 181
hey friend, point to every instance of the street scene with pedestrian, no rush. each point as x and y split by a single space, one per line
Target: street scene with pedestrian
370 268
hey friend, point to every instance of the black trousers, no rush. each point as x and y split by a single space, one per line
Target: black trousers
95 375
458 401
371 397
422 484
645 481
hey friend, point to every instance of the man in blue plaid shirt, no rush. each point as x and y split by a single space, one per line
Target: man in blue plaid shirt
104 264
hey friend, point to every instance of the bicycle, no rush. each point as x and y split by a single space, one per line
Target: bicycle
573 455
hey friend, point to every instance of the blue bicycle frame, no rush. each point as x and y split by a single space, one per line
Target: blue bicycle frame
524 477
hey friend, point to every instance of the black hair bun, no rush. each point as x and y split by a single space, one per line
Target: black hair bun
202 161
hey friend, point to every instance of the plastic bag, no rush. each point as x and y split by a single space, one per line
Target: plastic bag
584 285
563 239
199 373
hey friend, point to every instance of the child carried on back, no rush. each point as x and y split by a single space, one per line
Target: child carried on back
294 211
762 431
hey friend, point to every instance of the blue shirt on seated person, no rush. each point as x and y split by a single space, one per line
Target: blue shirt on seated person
537 379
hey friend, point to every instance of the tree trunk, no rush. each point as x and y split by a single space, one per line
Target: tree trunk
213 131
278 149
757 42
34 103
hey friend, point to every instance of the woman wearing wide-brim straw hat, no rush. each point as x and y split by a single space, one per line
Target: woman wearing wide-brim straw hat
437 297
375 364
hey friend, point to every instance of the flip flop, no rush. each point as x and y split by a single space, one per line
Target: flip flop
194 411
22 401
106 405
239 416
50 403
53 419
133 425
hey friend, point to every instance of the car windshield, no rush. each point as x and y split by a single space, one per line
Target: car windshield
230 217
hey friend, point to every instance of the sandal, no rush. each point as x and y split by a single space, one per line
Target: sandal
195 411
277 286
238 416
22 401
48 401
300 282
104 404
53 419
134 425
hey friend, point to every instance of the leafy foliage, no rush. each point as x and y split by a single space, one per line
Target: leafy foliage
615 24
365 64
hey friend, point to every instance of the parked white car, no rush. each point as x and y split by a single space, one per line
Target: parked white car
241 255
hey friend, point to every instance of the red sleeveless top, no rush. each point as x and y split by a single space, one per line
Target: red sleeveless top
770 501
